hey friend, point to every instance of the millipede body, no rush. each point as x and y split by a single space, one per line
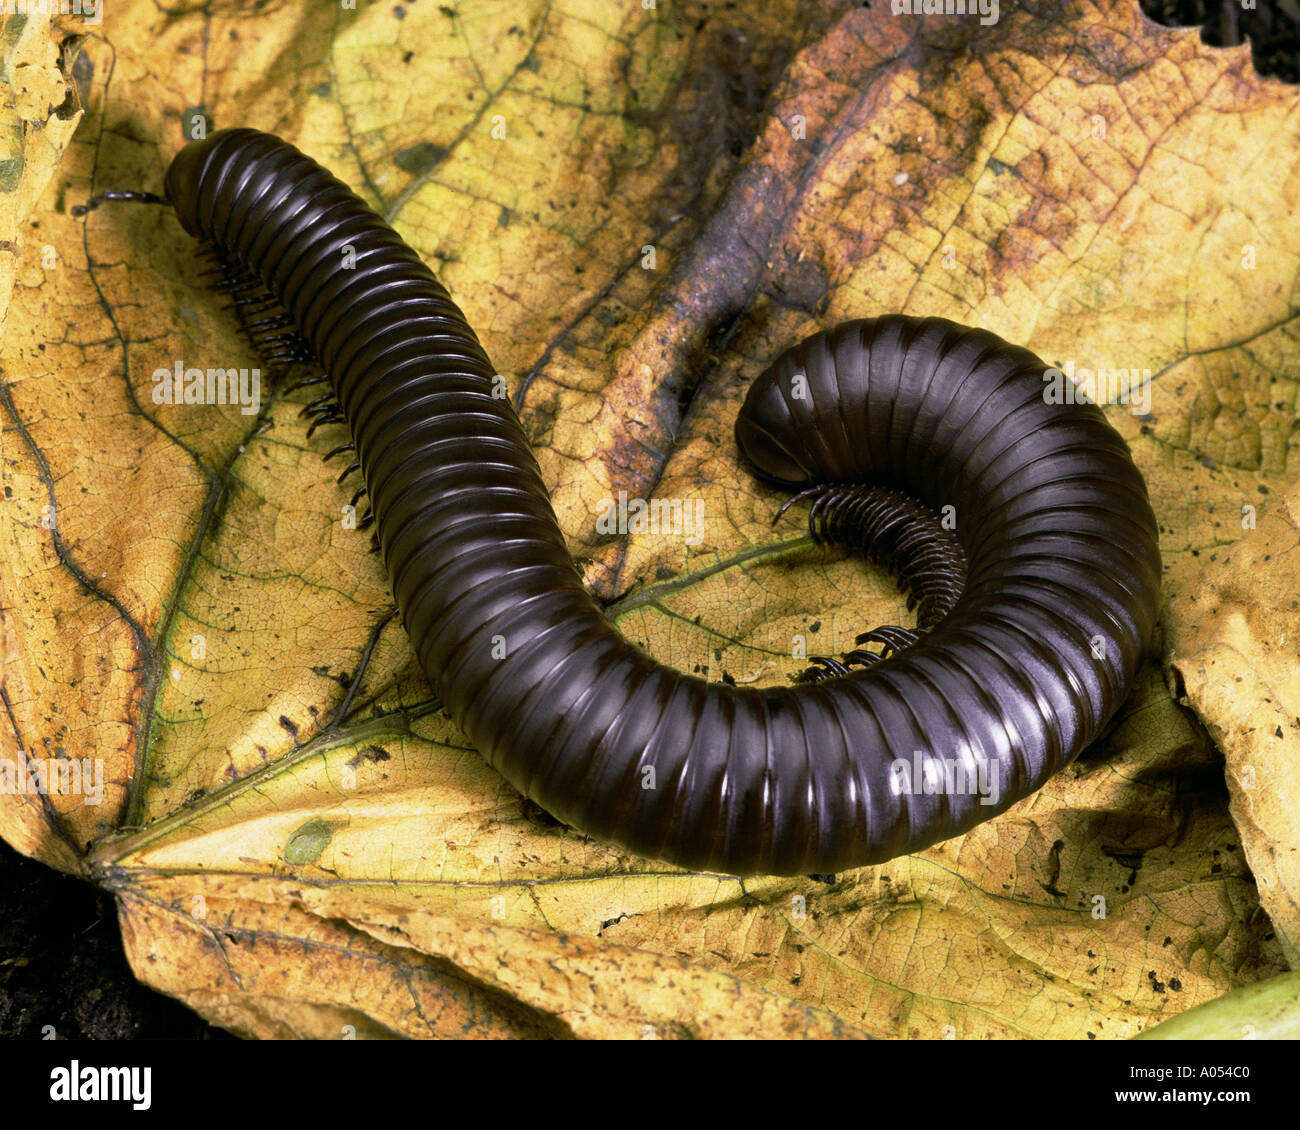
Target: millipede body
1035 603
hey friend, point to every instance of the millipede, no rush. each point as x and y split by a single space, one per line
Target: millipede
1036 593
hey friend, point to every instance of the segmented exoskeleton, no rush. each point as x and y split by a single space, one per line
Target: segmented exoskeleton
1034 609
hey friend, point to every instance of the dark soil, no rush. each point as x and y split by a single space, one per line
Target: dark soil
63 973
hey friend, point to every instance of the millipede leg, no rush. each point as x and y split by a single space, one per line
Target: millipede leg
319 378
891 635
325 417
264 323
899 534
319 402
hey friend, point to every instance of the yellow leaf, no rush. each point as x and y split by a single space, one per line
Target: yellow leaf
1266 1010
636 209
1236 651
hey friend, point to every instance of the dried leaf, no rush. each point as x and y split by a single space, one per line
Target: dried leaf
636 209
1237 651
